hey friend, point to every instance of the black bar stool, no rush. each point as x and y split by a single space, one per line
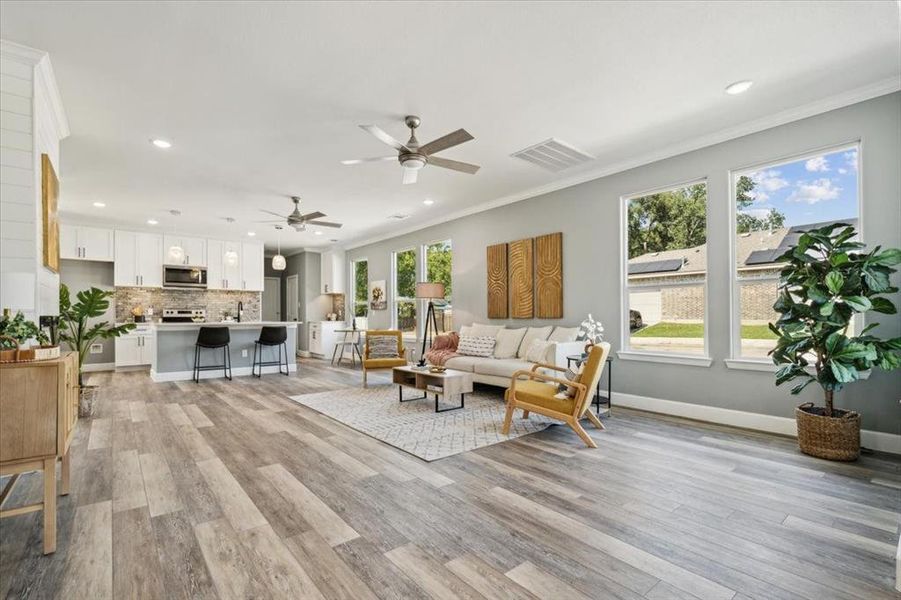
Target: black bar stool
213 337
271 336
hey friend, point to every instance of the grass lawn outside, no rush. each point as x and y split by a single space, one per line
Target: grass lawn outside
696 330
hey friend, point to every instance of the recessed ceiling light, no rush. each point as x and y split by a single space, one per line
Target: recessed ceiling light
739 87
100 204
161 143
251 233
152 222
317 232
428 202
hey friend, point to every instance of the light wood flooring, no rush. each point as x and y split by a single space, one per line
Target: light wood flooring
230 490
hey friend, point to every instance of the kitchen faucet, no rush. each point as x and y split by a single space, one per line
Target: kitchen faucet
240 310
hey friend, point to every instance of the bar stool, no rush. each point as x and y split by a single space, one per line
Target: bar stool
271 336
213 337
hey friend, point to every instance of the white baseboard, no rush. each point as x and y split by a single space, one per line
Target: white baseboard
875 440
93 367
236 372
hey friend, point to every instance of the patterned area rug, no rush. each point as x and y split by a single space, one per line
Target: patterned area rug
415 427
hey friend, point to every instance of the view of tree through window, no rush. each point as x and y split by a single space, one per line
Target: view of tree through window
361 288
405 290
667 270
773 205
438 270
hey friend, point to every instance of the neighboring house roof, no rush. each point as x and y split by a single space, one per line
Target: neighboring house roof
757 249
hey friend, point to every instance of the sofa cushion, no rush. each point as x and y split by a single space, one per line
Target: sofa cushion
466 331
501 367
564 334
508 341
538 351
532 333
476 346
464 363
484 330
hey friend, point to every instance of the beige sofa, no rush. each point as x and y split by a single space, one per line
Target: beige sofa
499 368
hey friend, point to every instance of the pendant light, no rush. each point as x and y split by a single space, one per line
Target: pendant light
176 254
278 261
230 257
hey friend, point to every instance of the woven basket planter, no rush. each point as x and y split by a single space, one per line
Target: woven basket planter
86 396
833 438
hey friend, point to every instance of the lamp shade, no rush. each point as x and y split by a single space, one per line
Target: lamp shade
426 289
17 290
278 262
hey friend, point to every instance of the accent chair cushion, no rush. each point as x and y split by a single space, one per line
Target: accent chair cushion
541 394
508 341
382 346
476 346
384 363
532 333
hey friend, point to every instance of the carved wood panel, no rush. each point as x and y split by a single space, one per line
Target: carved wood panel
549 276
520 287
497 281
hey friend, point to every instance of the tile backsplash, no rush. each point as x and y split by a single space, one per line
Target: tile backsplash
216 302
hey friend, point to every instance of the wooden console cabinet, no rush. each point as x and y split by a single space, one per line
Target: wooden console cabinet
38 413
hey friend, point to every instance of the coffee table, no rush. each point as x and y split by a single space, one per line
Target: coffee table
447 384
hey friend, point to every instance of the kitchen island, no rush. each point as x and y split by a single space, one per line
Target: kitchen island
173 357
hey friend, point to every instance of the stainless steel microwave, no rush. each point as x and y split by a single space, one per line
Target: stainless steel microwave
180 276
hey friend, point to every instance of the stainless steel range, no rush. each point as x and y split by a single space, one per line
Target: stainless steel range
184 315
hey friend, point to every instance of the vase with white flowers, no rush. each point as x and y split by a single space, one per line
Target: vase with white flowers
591 331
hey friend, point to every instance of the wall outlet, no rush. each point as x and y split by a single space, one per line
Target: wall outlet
96 348
244 353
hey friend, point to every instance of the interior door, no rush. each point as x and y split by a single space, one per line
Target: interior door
291 299
272 299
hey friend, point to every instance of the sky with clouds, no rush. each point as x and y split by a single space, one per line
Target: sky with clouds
822 188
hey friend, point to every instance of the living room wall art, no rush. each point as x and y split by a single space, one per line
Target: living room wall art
549 276
497 281
521 278
49 199
378 295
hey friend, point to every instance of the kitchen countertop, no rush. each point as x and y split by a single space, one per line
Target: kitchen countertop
229 324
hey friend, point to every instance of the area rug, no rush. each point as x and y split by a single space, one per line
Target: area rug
415 427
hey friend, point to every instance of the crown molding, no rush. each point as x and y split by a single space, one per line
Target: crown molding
44 78
824 105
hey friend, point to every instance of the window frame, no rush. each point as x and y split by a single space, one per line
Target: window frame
424 270
626 352
736 360
352 270
394 295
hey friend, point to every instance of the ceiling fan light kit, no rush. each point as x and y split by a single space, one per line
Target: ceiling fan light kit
413 157
299 221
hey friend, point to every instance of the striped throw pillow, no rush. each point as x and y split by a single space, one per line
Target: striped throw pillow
382 346
476 346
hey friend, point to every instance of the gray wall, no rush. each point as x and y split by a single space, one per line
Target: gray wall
589 214
80 275
312 306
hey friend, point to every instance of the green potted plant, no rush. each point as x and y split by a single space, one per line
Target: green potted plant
78 334
14 332
826 282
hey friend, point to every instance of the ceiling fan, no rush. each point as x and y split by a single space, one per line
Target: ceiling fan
414 157
298 221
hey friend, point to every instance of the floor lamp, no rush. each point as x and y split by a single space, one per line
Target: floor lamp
429 291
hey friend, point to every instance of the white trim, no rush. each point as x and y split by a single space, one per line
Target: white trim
94 367
351 286
874 440
217 374
393 295
747 364
823 105
673 359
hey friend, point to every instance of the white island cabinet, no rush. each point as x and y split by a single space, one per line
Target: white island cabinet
139 259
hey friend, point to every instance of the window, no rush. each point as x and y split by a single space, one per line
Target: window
773 204
405 291
664 301
359 298
438 259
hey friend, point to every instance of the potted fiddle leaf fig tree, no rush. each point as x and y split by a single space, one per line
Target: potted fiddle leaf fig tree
828 280
76 331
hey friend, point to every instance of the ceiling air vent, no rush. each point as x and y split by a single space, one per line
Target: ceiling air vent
399 216
553 155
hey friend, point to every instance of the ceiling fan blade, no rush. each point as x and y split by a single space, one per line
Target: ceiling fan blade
357 161
448 141
272 213
312 215
383 136
279 221
456 165
324 224
410 175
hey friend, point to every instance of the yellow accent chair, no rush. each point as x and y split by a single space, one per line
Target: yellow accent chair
533 393
375 364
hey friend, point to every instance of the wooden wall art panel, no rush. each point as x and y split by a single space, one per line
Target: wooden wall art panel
549 276
49 200
497 281
520 287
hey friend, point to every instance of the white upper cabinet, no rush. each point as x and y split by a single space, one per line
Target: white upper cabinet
194 250
224 265
252 266
139 259
86 243
332 272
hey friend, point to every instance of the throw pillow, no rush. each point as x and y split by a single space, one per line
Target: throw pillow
537 351
532 333
476 346
508 341
564 334
382 346
574 374
483 330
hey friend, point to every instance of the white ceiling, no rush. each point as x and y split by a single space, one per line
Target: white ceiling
262 100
